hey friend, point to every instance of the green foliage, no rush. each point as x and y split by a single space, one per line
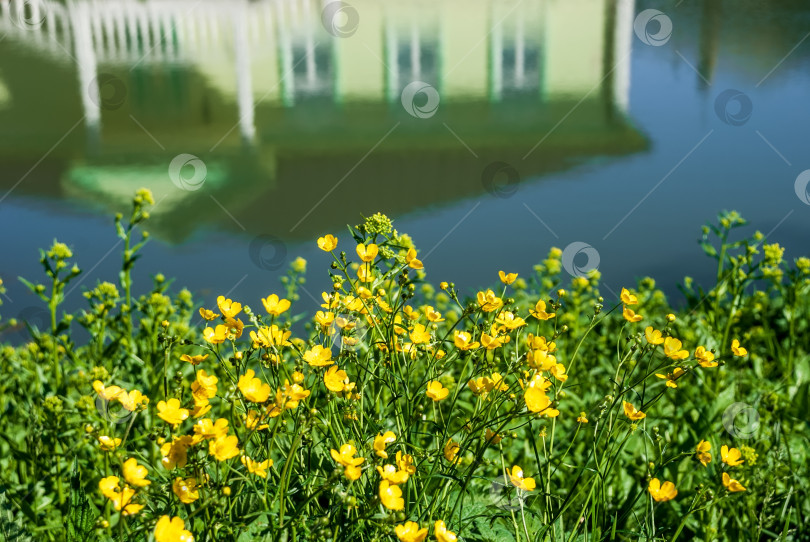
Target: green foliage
592 477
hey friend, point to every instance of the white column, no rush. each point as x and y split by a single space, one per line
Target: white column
392 59
520 52
496 82
416 53
79 14
625 12
244 80
285 46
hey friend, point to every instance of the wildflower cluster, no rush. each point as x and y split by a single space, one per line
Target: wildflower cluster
529 410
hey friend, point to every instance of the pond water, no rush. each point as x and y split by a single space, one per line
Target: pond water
488 130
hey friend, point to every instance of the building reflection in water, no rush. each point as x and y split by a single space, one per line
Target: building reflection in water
296 106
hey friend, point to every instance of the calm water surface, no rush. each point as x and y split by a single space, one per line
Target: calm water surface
489 130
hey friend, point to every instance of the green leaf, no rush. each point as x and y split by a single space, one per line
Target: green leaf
80 518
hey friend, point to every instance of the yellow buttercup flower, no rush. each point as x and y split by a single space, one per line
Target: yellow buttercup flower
204 385
335 379
294 393
702 452
392 475
132 400
653 335
539 311
582 418
170 411
391 496
432 315
628 298
175 452
495 383
253 421
507 278
673 350
318 356
558 372
412 261
207 314
463 340
327 243
121 498
405 463
186 490
224 448
346 456
738 350
201 406
216 335
442 534
194 360
107 392
662 492
410 532
436 391
350 463
491 343
509 321
451 449
275 306
631 412
491 436
705 357
172 530
517 479
542 360
367 253
538 402
731 456
253 388
259 468
206 429
109 486
364 274
630 315
420 334
489 301
731 484
270 336
672 377
228 308
381 441
135 474
325 319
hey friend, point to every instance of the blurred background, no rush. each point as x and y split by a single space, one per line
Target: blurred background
490 130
